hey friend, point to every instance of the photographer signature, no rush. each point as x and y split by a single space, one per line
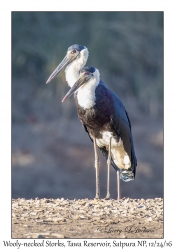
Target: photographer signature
128 229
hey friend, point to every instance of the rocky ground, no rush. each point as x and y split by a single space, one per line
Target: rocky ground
84 218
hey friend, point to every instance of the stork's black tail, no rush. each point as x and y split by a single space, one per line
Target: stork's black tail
127 175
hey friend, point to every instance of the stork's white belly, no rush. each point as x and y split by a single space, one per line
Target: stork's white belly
118 153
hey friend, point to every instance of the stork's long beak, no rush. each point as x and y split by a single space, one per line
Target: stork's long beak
60 67
76 86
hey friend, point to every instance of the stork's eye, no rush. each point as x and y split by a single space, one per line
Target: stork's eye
87 73
73 51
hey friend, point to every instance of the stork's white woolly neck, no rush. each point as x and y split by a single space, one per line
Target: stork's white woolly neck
86 93
72 70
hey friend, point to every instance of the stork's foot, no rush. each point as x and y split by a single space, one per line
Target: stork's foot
107 196
97 196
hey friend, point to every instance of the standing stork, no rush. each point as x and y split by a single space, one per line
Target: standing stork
73 62
107 123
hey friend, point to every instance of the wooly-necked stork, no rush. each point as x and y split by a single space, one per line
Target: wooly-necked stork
106 121
102 114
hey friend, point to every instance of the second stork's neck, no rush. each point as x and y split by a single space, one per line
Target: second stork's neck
86 93
72 70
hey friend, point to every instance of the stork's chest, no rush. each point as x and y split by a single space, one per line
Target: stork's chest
96 117
99 108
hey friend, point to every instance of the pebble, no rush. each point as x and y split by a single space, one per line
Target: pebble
96 218
33 213
82 217
76 217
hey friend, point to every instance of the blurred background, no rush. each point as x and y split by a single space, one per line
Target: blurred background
52 155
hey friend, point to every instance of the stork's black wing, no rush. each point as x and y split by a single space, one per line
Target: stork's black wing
105 98
122 125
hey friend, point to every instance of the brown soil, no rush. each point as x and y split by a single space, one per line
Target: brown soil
60 218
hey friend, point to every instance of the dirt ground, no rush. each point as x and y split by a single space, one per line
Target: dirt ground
60 218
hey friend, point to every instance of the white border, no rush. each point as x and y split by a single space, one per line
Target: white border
5 94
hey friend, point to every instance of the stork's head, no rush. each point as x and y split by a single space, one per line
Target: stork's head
75 52
88 75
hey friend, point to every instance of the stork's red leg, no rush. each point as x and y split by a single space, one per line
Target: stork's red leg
108 172
97 196
118 186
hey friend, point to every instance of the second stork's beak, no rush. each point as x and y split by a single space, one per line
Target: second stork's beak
60 67
76 86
